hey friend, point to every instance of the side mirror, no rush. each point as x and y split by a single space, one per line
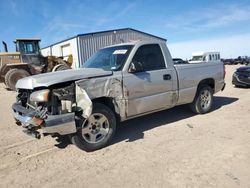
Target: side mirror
135 67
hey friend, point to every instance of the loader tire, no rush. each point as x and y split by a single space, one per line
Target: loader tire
60 67
13 75
2 80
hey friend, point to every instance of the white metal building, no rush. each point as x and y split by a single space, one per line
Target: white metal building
83 46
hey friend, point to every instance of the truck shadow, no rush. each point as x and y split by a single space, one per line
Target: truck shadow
134 129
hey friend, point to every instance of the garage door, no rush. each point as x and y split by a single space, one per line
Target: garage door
66 51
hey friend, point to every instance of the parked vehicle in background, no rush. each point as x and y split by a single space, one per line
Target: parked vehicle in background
228 61
241 77
117 83
244 60
178 61
199 57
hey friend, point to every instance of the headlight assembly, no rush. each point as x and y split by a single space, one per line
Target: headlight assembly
40 96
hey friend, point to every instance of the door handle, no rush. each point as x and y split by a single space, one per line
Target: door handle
166 77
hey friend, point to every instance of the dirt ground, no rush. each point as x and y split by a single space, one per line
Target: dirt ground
172 148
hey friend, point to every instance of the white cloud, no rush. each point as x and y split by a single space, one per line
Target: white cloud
209 18
14 7
58 29
114 16
62 26
231 46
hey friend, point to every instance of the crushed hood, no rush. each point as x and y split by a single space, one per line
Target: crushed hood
48 79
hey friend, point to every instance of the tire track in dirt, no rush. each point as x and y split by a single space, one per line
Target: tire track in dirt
17 153
22 160
16 144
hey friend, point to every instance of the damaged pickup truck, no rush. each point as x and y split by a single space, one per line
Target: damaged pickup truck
117 83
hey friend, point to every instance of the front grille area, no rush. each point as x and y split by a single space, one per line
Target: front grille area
23 96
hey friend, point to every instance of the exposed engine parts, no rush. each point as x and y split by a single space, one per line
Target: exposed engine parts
67 97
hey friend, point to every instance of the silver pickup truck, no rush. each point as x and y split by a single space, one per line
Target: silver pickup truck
117 83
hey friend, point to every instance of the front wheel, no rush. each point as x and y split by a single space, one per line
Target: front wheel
203 100
97 131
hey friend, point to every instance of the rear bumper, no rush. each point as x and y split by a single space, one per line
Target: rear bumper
62 124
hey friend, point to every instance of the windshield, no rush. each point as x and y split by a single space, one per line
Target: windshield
197 58
28 47
112 58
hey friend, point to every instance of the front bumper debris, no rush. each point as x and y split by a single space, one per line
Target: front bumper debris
62 124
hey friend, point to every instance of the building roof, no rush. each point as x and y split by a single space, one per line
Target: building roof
99 32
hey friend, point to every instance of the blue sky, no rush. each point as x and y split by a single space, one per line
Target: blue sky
188 25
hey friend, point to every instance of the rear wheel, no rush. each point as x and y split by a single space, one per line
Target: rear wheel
97 131
203 100
13 75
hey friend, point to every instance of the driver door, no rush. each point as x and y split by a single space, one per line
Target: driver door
151 88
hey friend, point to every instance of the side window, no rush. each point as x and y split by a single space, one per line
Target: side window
29 48
210 58
150 56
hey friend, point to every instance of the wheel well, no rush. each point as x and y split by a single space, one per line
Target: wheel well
209 81
109 102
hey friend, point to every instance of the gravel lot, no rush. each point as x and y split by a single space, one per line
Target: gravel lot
172 148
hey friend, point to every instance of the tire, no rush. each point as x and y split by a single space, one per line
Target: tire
2 80
13 75
61 68
203 100
97 131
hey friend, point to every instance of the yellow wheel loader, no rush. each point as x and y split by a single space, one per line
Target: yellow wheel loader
26 61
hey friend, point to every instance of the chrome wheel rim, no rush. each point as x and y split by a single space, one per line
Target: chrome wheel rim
96 128
206 99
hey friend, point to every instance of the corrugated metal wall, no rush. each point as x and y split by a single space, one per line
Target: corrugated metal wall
89 44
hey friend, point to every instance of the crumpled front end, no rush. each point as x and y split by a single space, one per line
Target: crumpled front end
50 110
33 121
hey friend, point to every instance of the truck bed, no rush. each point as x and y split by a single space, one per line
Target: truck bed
189 76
